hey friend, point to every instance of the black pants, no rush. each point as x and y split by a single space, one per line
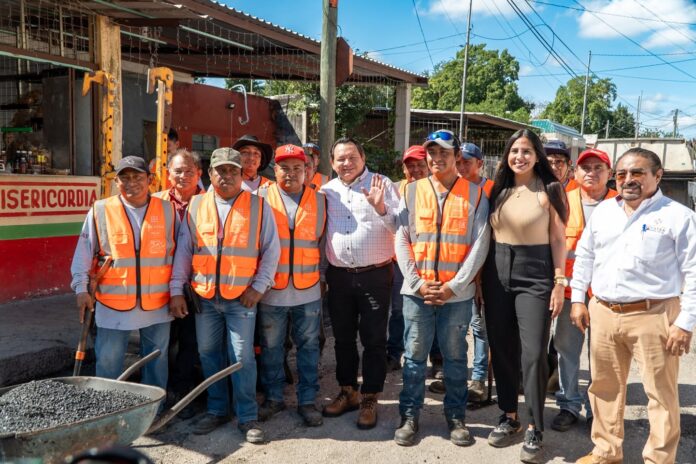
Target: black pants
359 304
183 354
517 283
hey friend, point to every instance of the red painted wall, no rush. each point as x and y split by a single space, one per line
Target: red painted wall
22 258
203 109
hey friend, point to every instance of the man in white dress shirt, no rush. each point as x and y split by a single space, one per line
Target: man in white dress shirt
638 252
361 223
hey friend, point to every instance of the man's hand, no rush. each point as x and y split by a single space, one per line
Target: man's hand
439 296
375 196
580 316
428 287
84 302
177 306
250 297
678 341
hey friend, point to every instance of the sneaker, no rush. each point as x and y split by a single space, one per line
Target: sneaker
310 415
459 434
532 450
208 423
477 391
393 364
437 386
252 432
269 408
504 434
563 421
405 435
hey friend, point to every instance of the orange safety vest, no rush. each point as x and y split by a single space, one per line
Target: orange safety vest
441 241
320 179
571 185
402 187
574 228
488 188
134 275
265 181
299 247
226 264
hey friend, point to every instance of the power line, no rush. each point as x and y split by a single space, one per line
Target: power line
690 39
420 26
554 33
583 9
630 55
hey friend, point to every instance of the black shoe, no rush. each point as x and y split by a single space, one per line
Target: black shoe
270 408
532 450
393 364
437 386
208 423
477 391
563 421
436 371
252 432
310 415
504 434
459 434
405 435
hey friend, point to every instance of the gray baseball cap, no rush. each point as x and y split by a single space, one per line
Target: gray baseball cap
225 155
131 162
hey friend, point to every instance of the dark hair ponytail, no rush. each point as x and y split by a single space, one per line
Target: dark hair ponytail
505 177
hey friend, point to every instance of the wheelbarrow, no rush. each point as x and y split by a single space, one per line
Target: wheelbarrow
122 427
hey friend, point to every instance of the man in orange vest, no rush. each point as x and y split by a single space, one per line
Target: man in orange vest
228 250
559 159
593 173
317 178
441 245
256 156
300 214
138 232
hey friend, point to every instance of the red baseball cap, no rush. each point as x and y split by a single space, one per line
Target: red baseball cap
290 151
414 152
594 153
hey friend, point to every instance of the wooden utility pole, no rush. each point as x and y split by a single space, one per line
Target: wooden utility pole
463 126
327 83
584 98
637 131
676 119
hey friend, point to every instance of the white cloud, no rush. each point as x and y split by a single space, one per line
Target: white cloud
458 9
644 14
526 69
654 103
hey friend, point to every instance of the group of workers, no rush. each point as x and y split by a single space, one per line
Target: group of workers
408 268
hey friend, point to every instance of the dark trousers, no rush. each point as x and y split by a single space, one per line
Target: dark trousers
183 355
359 304
517 283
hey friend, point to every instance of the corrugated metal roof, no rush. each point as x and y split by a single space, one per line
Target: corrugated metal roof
548 126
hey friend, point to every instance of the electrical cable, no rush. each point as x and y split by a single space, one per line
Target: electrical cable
420 26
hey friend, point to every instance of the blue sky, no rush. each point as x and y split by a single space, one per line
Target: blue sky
620 33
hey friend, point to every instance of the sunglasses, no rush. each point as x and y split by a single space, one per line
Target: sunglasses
445 135
635 174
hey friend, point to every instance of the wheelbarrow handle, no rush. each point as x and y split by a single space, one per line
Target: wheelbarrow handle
138 364
170 413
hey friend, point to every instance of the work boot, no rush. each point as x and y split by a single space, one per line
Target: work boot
459 434
208 423
532 451
347 400
437 386
592 459
564 421
405 435
310 415
477 391
270 408
367 418
505 433
252 432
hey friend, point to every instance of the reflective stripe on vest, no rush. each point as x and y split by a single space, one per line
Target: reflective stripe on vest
226 264
135 274
441 240
574 228
402 188
299 248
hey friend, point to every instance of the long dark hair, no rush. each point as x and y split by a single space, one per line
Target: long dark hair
505 177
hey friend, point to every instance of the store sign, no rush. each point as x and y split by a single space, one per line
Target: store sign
31 196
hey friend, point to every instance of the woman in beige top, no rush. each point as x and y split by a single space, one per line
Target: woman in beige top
522 284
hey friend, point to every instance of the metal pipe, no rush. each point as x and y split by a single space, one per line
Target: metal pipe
214 37
42 60
143 37
123 8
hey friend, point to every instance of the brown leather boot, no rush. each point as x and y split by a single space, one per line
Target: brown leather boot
347 400
368 411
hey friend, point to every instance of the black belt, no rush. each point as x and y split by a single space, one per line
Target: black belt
360 270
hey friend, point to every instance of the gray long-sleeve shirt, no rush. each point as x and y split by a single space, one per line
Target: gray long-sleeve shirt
269 251
463 282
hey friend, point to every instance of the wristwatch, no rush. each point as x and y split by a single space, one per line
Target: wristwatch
561 279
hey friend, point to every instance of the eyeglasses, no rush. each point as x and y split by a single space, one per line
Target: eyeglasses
635 174
442 135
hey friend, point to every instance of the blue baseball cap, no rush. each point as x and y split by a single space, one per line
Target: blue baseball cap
469 151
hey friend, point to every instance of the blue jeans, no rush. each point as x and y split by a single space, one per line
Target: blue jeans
451 322
568 341
273 322
218 318
478 328
111 345
395 342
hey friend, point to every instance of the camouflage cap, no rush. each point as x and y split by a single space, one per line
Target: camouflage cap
225 155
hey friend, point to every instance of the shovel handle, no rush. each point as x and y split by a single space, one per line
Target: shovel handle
82 344
138 364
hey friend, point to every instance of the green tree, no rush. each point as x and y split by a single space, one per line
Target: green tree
566 108
622 123
491 85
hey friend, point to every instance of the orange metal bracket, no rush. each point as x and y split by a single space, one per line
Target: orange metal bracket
106 80
161 79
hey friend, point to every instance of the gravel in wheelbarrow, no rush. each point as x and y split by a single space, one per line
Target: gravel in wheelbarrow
48 403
